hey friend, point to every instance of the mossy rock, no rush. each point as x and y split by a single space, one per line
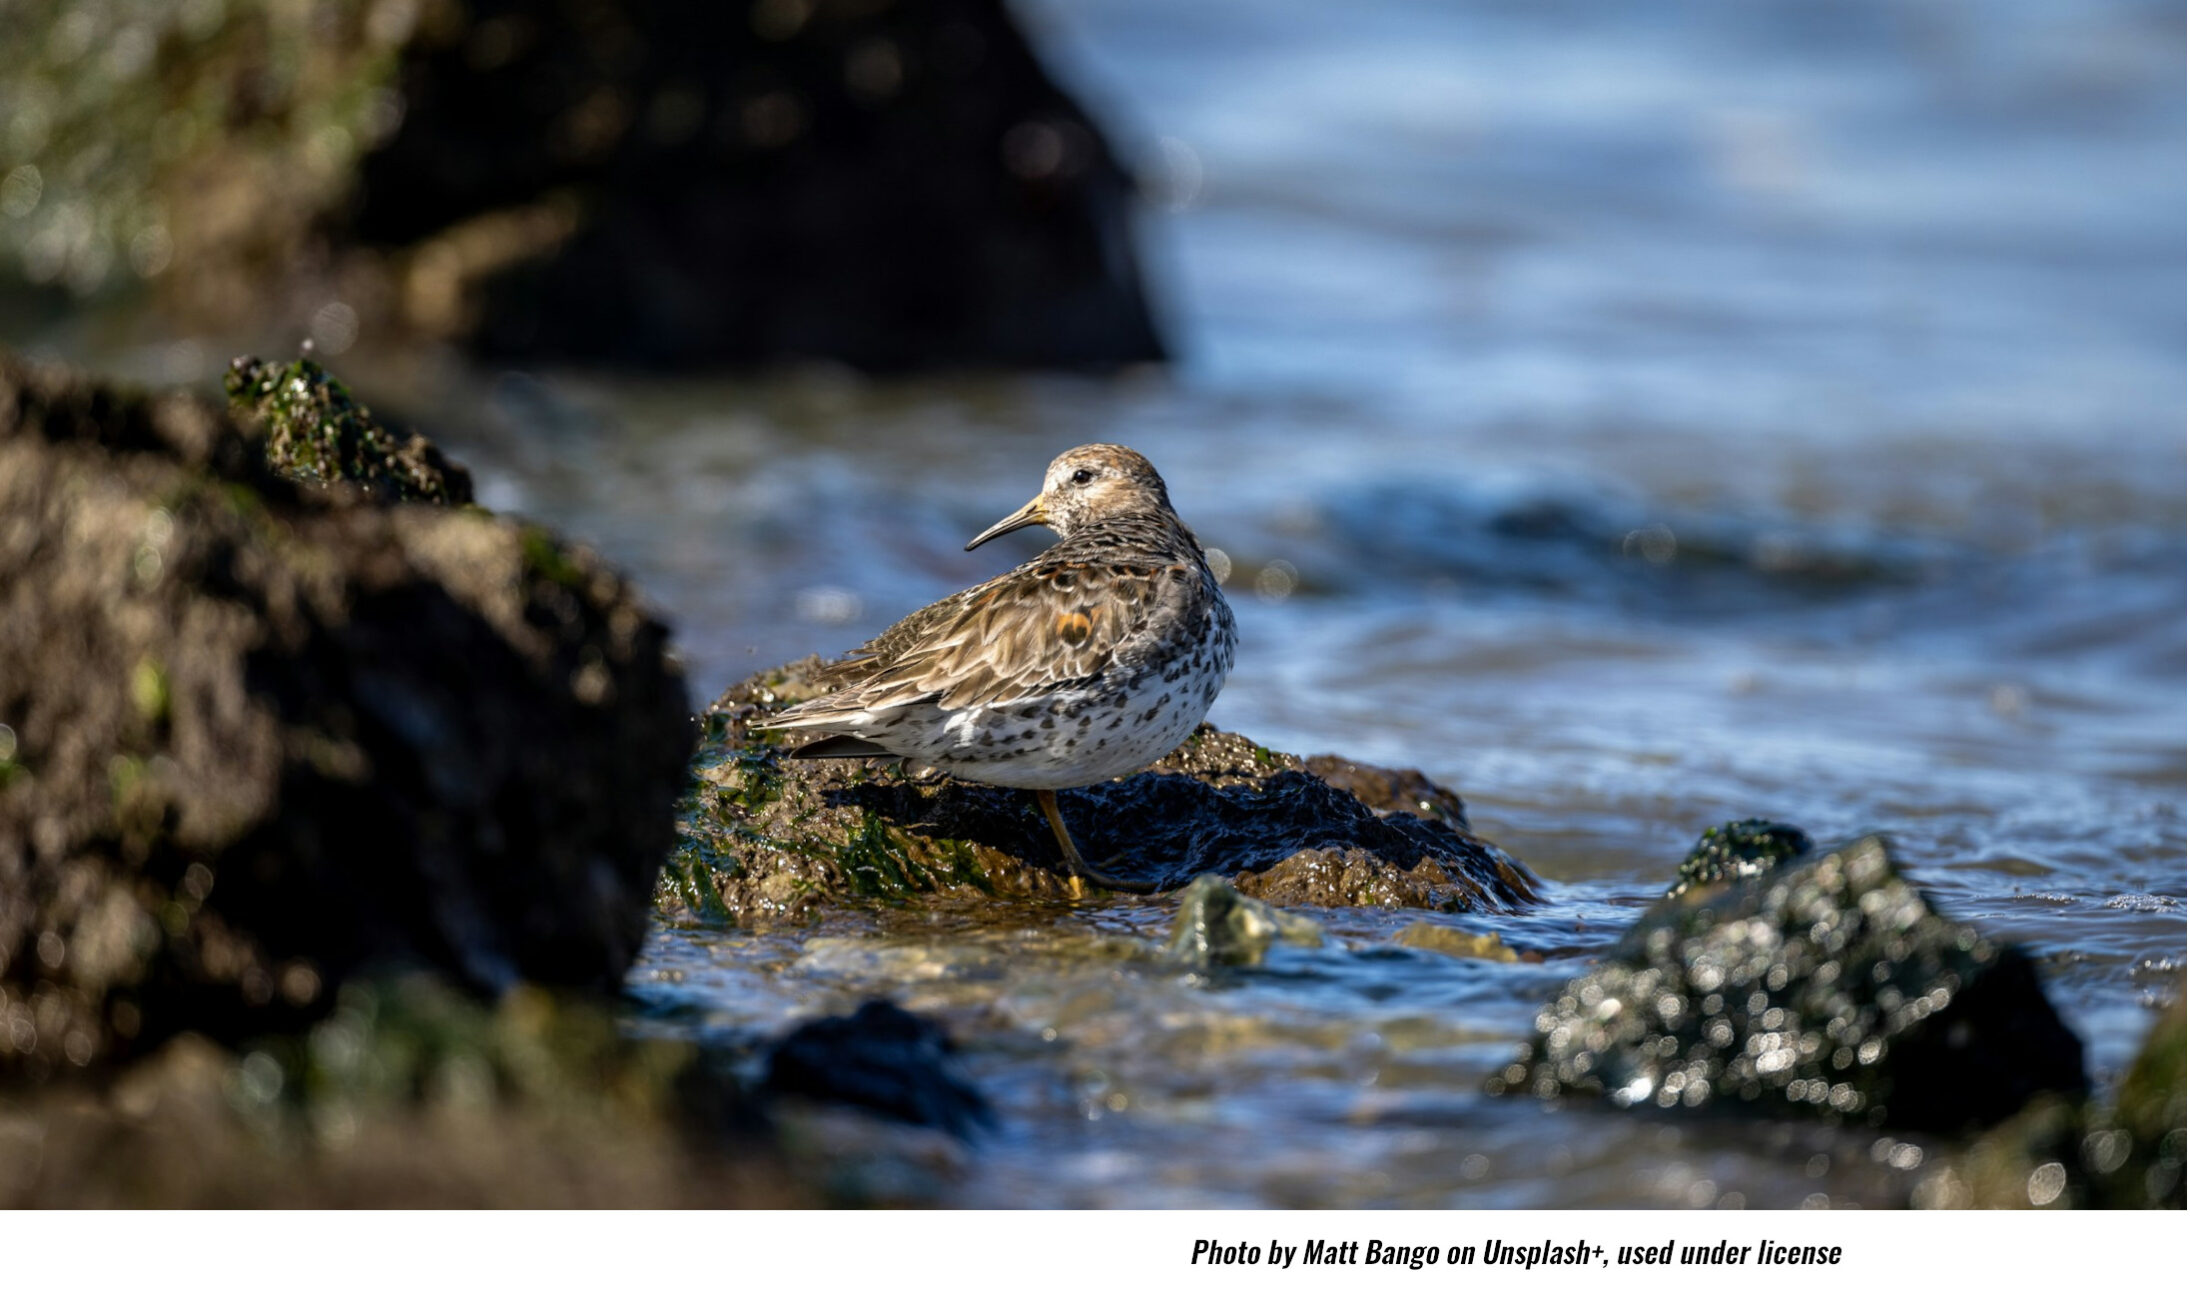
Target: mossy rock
262 736
318 434
763 836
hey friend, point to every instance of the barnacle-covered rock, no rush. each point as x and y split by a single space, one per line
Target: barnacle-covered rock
1828 986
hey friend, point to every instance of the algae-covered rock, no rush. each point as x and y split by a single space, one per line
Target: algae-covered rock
675 183
406 1094
765 836
262 736
1217 925
2135 1151
882 1059
1739 849
1828 986
317 433
1451 941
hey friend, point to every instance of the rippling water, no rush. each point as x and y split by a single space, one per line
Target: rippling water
1637 417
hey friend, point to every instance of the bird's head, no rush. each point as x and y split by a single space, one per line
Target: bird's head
1083 485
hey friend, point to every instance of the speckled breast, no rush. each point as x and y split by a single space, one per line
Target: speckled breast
1125 721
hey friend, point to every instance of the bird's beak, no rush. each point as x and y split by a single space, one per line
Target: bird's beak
1028 516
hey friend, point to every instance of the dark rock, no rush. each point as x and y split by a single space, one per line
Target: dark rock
763 836
689 183
1828 986
407 1094
667 183
885 1060
263 736
1739 849
318 434
1217 925
2057 1153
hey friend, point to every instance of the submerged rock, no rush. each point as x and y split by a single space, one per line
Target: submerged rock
883 1059
764 836
1827 986
1217 925
260 737
1460 945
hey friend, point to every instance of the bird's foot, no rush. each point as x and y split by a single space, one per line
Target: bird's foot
1101 876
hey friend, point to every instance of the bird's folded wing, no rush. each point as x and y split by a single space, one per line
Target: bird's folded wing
1027 634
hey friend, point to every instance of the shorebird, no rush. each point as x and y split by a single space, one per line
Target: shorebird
1090 661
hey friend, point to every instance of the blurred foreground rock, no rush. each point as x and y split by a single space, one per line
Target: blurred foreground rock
2127 1153
257 737
1216 925
889 183
1826 986
405 1095
883 1059
317 434
762 836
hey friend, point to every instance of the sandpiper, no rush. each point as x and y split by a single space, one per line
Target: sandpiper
1089 662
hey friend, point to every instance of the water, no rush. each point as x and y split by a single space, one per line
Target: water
1635 417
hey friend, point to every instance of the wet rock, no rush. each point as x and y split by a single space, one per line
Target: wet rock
262 736
1451 941
676 183
883 1059
1739 849
762 836
317 433
406 1094
1390 792
1217 925
1828 986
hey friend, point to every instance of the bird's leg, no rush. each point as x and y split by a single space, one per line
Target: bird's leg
1073 860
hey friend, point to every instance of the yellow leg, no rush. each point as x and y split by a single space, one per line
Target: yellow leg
1077 866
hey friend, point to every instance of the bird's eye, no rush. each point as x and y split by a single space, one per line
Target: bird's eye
1083 477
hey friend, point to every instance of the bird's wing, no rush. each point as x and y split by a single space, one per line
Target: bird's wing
1028 633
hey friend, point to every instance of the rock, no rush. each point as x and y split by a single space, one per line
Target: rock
265 736
1460 945
883 1059
680 183
1391 792
1739 849
317 434
2134 1153
1828 987
762 836
1217 925
407 1094
2060 1154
